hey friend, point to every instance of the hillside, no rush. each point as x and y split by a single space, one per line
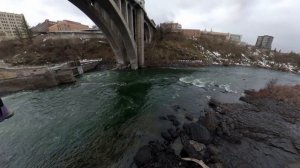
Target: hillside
167 49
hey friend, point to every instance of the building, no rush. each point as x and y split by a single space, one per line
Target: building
43 27
10 24
222 37
67 25
236 38
191 33
264 42
173 27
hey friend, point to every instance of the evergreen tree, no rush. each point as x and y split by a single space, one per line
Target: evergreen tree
26 30
19 34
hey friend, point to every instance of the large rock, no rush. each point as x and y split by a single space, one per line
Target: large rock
210 121
197 132
143 156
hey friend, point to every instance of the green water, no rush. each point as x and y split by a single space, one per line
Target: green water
106 116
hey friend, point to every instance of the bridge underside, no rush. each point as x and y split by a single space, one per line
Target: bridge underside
122 21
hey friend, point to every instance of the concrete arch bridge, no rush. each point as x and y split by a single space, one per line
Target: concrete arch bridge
125 24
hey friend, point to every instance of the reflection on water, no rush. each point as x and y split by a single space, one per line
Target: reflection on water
106 116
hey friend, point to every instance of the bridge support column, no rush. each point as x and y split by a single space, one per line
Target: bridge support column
139 34
130 19
124 10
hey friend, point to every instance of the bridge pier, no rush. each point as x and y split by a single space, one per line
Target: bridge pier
139 35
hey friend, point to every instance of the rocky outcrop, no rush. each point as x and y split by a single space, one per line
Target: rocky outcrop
47 80
258 134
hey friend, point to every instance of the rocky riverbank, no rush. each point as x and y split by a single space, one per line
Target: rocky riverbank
261 132
14 79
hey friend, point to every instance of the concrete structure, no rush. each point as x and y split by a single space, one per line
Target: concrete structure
125 25
67 25
9 22
170 26
264 42
236 38
43 27
191 33
75 35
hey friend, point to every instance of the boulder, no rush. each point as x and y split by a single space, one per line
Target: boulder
143 156
166 136
197 132
210 121
189 117
199 147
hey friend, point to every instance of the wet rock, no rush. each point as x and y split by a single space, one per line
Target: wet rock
176 108
248 92
213 150
234 138
166 136
225 129
163 118
284 144
208 110
189 117
171 117
216 165
216 141
143 156
176 123
210 121
173 133
197 132
244 99
215 159
199 147
294 165
156 155
256 136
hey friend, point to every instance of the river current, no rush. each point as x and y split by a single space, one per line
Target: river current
104 118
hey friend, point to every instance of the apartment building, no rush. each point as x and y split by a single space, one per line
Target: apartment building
264 42
8 24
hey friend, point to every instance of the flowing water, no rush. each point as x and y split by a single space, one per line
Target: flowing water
104 118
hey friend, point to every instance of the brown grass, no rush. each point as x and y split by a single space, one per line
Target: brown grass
287 94
54 51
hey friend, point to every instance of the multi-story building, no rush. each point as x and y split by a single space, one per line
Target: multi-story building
173 27
67 25
10 24
235 38
264 42
43 27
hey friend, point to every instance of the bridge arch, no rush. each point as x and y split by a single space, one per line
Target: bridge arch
122 21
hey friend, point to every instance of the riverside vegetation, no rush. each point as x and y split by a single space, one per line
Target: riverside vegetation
167 49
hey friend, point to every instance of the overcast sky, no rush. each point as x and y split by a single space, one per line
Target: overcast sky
279 18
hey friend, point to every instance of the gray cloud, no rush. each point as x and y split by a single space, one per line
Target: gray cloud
250 18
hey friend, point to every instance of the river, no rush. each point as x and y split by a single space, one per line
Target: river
104 118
